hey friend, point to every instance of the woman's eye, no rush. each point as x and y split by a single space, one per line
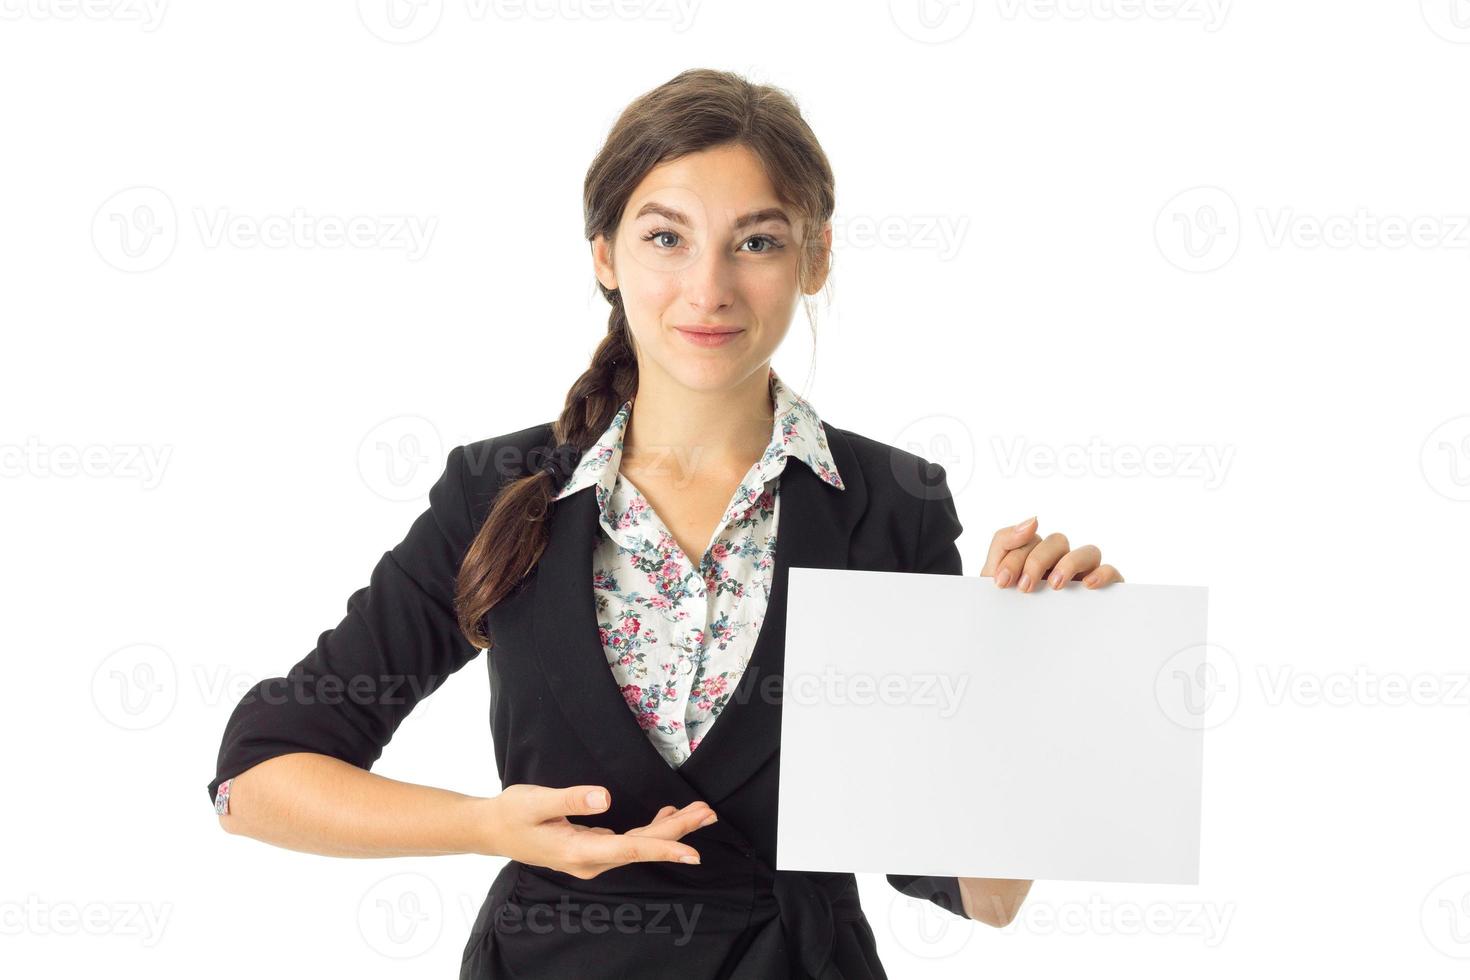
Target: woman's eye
662 233
771 243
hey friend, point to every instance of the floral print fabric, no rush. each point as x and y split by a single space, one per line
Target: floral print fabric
678 635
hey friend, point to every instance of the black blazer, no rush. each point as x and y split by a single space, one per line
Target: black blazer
558 719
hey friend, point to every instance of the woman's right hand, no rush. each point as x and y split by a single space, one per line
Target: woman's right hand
532 827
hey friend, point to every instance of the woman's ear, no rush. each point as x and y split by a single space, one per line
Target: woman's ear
602 264
821 262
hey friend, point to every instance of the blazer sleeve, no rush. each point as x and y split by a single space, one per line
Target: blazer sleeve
397 642
936 553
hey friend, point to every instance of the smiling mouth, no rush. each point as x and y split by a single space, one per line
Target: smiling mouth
706 336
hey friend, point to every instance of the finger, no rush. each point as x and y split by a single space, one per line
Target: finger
1078 561
1041 559
1102 575
676 825
1004 540
569 801
619 849
1010 564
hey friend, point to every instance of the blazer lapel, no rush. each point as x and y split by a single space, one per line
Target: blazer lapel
814 530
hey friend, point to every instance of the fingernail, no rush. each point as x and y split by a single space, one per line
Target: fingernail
709 820
1022 526
1090 580
1004 578
1056 580
1025 582
690 859
597 798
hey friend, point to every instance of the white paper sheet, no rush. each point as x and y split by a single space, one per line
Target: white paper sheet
937 725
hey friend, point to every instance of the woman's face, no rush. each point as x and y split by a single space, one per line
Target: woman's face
705 243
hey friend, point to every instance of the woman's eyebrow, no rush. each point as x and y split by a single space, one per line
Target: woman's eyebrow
679 217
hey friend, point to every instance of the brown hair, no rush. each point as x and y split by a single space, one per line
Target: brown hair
696 110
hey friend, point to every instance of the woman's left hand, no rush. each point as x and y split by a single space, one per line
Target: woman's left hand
1018 555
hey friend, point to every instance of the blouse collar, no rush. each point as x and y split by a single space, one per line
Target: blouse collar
796 433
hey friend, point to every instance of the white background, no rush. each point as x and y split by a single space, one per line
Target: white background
1097 229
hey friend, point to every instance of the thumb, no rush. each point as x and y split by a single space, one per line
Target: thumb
583 799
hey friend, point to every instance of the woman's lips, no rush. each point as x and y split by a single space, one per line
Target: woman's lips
708 338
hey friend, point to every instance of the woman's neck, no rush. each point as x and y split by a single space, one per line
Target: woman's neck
684 433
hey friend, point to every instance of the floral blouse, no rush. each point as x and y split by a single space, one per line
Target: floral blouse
677 638
678 635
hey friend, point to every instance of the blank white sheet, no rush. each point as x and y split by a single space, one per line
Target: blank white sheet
937 725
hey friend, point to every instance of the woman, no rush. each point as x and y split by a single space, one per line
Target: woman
636 734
